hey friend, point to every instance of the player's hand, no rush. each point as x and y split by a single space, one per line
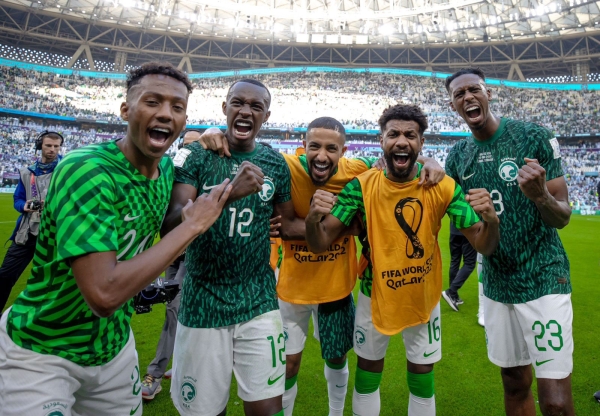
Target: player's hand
532 180
320 206
380 164
431 173
274 225
481 202
248 180
201 214
214 139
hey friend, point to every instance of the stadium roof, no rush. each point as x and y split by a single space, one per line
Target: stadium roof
517 38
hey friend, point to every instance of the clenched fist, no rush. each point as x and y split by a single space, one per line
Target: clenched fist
248 180
322 202
481 202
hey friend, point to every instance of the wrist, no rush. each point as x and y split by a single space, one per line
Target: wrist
544 199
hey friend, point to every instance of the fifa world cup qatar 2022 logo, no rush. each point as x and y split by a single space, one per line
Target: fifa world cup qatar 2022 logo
409 214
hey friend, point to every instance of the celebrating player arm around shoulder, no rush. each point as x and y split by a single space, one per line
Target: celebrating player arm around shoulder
104 207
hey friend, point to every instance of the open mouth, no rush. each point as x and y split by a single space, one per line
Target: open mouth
473 112
401 159
242 128
320 170
159 136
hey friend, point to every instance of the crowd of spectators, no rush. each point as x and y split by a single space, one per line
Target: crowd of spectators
17 150
356 99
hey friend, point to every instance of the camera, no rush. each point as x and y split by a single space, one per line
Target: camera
35 205
159 291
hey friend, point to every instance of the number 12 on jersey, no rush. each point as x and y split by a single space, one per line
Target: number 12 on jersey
243 219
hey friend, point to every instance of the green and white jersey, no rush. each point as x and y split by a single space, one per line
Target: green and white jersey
229 279
530 261
97 202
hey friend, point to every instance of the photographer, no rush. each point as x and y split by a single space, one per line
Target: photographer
29 201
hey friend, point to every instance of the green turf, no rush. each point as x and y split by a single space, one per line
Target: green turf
466 382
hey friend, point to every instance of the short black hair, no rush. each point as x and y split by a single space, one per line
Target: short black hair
160 68
253 82
186 131
329 123
464 71
407 112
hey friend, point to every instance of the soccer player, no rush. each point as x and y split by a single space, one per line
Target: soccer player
526 281
229 318
402 221
319 285
66 346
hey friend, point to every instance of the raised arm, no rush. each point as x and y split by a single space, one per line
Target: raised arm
483 235
106 283
550 197
292 227
322 228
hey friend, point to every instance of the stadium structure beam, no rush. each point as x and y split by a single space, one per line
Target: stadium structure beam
62 33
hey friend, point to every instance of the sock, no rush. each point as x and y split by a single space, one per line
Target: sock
337 386
280 413
289 396
365 398
421 400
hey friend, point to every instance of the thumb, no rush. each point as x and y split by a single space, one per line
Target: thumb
528 160
423 178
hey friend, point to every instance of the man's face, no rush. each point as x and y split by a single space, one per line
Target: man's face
401 143
190 137
324 148
156 113
246 108
470 98
50 149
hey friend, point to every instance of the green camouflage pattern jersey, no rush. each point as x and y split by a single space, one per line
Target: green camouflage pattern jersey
229 279
350 203
97 202
530 261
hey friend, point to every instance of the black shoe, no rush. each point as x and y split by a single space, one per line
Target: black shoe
452 300
459 301
597 396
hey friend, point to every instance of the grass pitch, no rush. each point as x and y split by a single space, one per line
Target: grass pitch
466 383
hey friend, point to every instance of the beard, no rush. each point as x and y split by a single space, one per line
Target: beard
319 182
400 173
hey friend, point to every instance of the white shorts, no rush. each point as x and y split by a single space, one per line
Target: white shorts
295 319
36 384
205 357
539 332
423 343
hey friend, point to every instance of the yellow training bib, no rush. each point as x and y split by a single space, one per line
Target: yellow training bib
403 221
306 277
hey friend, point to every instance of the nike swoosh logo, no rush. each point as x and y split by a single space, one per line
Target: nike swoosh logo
271 382
208 188
128 218
538 363
339 387
464 178
132 411
430 354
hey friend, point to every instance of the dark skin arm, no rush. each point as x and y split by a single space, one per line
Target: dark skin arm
106 284
485 235
292 227
322 228
550 197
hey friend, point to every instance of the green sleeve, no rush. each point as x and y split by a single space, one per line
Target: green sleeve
368 160
189 163
283 186
548 153
81 202
460 212
450 167
349 203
